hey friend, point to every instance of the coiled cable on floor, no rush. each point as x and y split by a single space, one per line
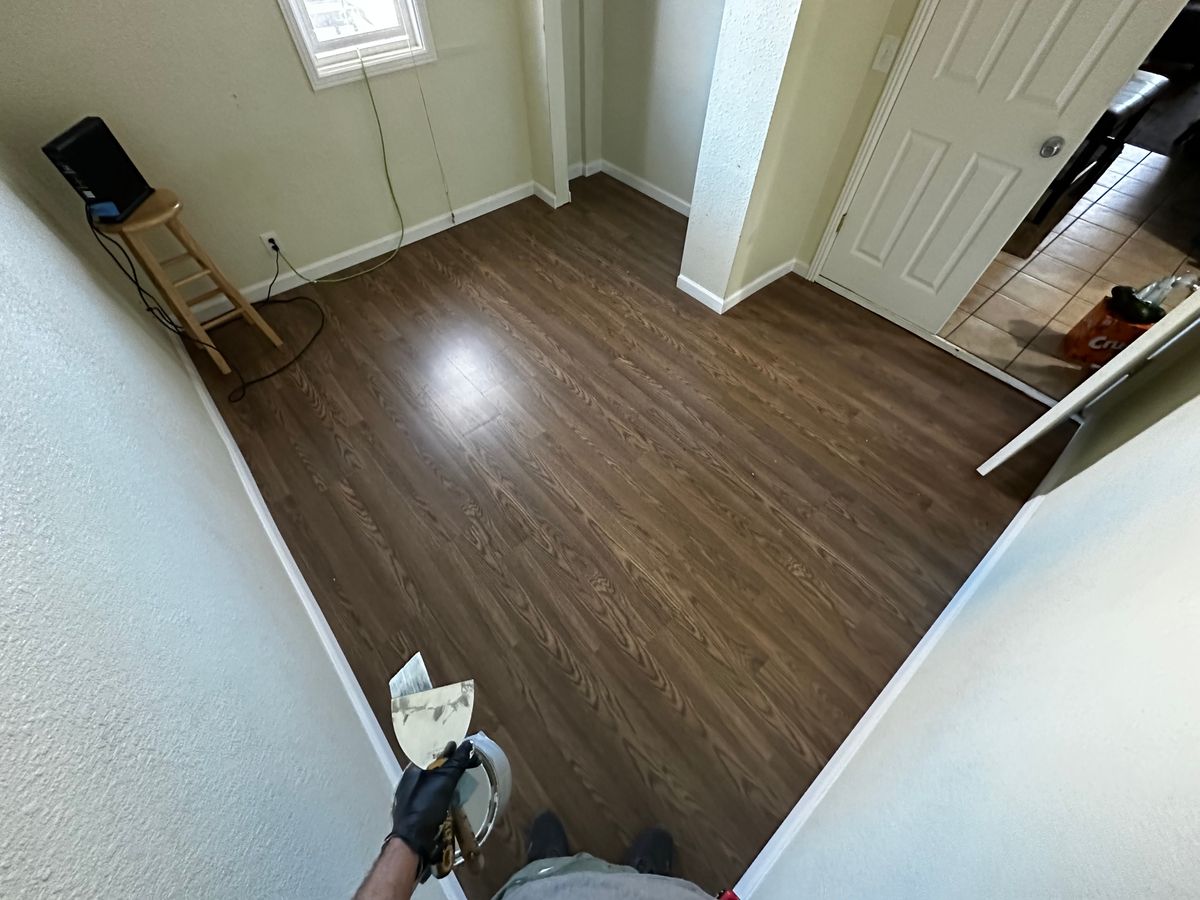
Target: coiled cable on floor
154 306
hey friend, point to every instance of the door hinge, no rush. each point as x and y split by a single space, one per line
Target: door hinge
841 222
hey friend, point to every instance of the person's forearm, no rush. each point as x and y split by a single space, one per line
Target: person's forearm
393 876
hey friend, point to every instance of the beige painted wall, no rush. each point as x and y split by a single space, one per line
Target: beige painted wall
211 100
658 62
540 23
1047 745
826 101
531 26
573 63
591 26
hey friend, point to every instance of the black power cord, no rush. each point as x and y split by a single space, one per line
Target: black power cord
154 307
240 391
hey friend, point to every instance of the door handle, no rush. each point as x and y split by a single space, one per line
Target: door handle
1052 146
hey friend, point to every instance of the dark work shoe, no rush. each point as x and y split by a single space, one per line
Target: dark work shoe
652 852
547 838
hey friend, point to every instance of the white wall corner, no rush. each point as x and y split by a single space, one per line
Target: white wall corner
584 169
715 302
774 274
556 87
752 52
549 197
541 30
666 198
591 26
801 268
720 304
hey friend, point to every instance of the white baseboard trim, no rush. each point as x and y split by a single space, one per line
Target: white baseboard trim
720 304
787 832
759 283
802 268
984 366
698 292
345 675
638 183
378 247
544 194
548 196
939 342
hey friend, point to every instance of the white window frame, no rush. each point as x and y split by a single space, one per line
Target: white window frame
337 62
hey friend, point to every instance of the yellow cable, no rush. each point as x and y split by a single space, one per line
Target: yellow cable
391 190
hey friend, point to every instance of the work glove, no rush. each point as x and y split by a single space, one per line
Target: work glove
423 800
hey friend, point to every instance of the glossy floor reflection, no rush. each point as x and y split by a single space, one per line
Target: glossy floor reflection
680 553
1139 222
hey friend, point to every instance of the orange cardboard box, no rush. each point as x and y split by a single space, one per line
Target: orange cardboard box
1099 336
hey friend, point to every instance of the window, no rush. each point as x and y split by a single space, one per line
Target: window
332 34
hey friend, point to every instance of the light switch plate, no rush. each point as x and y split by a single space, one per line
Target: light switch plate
886 54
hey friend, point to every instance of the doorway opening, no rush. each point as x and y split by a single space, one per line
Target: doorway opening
1125 209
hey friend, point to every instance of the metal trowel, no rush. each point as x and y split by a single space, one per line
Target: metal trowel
426 718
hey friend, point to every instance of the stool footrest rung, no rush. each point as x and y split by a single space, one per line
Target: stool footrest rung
195 276
221 319
161 208
200 298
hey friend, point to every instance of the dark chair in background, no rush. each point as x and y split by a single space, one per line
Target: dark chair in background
1178 44
1097 152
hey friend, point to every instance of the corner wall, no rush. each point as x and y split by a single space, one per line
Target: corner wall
658 65
591 27
752 52
211 100
828 95
172 724
1046 744
572 17
543 57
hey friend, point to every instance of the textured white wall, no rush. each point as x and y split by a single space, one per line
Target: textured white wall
170 725
752 51
211 100
1047 746
658 62
826 100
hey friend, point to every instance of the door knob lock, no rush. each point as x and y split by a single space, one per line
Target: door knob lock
1052 146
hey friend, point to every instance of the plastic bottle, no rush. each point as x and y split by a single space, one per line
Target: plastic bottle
1144 306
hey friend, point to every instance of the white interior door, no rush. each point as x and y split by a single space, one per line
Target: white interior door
1176 322
957 164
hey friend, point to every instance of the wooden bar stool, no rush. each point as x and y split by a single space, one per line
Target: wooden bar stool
162 208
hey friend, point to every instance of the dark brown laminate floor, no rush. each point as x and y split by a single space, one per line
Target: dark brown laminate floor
680 553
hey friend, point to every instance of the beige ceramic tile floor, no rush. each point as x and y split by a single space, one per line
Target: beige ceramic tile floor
1135 225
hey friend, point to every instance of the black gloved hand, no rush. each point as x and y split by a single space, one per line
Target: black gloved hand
423 799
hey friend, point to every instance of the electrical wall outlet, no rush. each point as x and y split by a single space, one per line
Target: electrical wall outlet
266 237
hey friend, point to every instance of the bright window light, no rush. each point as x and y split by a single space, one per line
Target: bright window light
336 38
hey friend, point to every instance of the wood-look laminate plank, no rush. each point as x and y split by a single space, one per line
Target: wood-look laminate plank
680 553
